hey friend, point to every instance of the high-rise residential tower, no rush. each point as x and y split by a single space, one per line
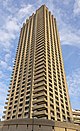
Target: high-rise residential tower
38 85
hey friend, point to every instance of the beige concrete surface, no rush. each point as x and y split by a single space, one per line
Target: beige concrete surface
37 125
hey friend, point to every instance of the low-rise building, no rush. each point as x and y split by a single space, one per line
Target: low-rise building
76 116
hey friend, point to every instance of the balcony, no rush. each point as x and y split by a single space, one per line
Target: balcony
39 84
4 112
40 64
40 95
9 90
5 107
39 72
39 60
39 107
39 89
7 98
39 80
6 103
3 117
39 113
40 57
39 100
40 75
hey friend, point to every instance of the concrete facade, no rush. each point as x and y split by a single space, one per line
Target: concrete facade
37 125
38 85
76 116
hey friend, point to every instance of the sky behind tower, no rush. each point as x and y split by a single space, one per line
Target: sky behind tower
12 15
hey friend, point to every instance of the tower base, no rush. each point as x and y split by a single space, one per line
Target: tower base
37 125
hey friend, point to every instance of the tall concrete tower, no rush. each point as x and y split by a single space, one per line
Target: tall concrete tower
38 85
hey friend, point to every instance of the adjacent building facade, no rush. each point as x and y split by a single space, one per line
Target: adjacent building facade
38 85
76 116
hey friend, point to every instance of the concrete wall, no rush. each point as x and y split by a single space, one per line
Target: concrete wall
37 125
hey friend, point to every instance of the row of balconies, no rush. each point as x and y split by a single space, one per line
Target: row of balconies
39 80
40 60
40 75
40 17
40 57
38 42
39 101
39 107
38 64
40 48
40 52
41 94
40 72
40 27
40 113
39 69
39 84
41 89
40 33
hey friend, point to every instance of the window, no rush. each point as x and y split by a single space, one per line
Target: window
13 116
20 104
20 109
19 115
14 111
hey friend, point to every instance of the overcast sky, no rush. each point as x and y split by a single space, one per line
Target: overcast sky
67 12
